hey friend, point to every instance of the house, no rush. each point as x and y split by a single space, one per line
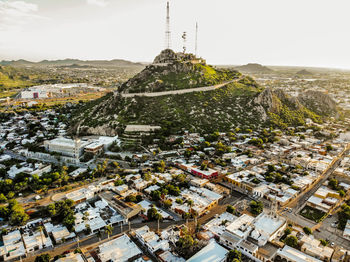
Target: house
293 255
71 257
121 249
59 232
212 252
13 247
82 194
151 240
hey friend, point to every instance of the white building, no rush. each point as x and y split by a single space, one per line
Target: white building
66 147
211 252
293 255
120 249
13 247
151 240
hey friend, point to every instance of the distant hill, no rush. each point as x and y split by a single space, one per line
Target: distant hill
71 62
303 72
11 78
253 68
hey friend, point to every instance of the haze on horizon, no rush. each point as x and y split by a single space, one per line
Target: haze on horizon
270 32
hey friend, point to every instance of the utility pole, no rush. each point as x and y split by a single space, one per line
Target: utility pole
196 42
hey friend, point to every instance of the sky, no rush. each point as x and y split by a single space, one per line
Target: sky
270 32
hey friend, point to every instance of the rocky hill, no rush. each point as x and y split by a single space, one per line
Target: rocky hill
171 71
241 102
253 68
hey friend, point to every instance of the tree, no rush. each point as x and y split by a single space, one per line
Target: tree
256 207
43 258
87 229
158 217
151 213
287 231
230 209
324 242
234 255
333 184
3 199
156 195
292 241
307 230
341 193
108 230
186 242
329 148
167 203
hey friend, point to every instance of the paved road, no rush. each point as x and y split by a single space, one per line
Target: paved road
181 91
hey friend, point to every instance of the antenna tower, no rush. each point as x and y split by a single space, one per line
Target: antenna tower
167 30
184 37
196 43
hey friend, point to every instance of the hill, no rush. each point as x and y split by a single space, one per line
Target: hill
12 78
76 62
241 102
253 68
303 72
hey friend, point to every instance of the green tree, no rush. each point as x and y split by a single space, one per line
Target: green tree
292 241
230 209
3 199
256 207
43 258
234 255
324 242
108 230
307 230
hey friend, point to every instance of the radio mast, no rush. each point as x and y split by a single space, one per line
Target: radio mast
167 30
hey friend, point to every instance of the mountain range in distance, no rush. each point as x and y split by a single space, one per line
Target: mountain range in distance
73 62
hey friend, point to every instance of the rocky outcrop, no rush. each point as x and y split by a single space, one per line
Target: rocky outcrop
166 56
318 102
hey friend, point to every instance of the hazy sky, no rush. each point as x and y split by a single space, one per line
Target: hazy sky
272 32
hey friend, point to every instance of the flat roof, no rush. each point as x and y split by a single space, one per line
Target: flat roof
212 252
268 224
119 249
296 255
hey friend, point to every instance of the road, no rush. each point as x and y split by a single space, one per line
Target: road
300 200
177 92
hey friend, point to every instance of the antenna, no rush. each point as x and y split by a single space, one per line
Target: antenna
196 43
167 30
184 37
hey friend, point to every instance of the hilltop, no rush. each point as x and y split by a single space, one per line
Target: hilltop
239 102
253 68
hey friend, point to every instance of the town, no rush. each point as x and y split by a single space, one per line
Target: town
170 160
262 195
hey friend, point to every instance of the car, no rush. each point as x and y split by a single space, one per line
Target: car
332 244
286 209
333 225
290 210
